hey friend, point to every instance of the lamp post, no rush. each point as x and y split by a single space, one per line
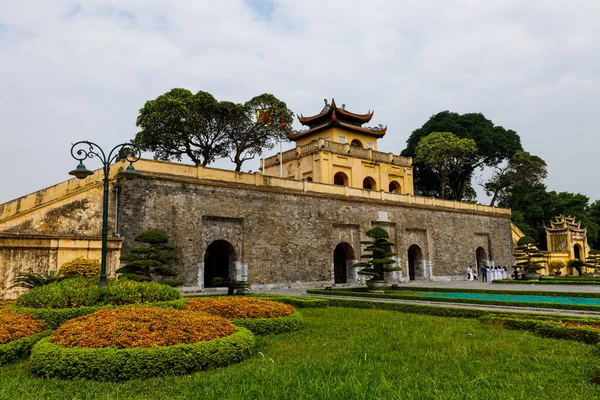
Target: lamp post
83 150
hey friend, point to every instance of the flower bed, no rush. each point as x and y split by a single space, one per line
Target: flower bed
139 342
262 317
18 334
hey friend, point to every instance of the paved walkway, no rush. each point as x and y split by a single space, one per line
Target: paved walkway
505 286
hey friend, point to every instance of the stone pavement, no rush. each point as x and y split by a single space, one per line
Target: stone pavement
504 286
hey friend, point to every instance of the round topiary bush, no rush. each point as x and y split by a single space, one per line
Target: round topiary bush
18 334
81 267
262 317
139 342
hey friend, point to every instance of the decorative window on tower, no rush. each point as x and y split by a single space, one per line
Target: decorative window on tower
370 145
342 139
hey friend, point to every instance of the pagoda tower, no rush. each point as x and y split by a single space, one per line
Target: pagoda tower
566 235
337 149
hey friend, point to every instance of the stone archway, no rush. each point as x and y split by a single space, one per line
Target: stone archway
356 143
415 257
369 183
395 187
482 259
343 255
219 260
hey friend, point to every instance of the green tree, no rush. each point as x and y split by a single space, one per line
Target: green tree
151 261
523 169
444 153
256 125
378 261
494 145
527 255
198 126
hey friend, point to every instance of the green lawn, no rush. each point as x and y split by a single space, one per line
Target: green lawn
348 353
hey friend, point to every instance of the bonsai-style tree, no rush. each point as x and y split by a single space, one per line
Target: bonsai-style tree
150 262
527 255
576 264
593 259
379 261
557 266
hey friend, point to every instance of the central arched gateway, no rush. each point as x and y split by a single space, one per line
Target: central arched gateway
482 258
415 257
577 252
342 256
219 260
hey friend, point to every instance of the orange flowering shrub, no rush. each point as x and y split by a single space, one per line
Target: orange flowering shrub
6 303
135 327
15 326
240 307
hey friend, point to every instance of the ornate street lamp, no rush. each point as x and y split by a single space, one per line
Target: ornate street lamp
83 150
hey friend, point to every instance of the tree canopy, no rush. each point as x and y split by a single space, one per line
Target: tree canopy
444 153
180 123
494 145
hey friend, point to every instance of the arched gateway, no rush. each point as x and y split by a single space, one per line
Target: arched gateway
219 260
415 257
343 255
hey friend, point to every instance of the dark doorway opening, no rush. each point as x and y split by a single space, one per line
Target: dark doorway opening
415 256
577 252
481 256
218 261
342 256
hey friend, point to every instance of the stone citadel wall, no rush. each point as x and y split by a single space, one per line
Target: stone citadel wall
286 237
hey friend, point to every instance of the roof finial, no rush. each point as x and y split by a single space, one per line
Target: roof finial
343 106
325 100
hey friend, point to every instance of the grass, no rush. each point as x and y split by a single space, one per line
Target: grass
363 354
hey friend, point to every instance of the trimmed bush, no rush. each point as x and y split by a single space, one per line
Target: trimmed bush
262 317
81 267
141 327
111 364
171 282
79 292
240 307
551 329
54 317
18 334
294 301
272 326
15 326
20 348
135 277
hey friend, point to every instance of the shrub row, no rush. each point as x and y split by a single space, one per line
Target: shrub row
295 301
240 307
110 364
460 301
80 292
549 282
141 327
54 317
549 329
20 348
460 290
272 326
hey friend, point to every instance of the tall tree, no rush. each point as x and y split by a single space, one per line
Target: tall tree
444 154
257 125
180 123
523 169
494 145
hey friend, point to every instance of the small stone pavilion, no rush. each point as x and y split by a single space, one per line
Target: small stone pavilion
567 240
337 149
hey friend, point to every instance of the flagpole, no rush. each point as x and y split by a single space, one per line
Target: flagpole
280 160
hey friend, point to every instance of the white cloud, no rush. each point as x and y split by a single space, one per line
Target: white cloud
81 70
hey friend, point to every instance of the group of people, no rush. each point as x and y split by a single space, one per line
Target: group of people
488 274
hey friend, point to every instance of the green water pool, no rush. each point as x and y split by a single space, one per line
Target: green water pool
516 298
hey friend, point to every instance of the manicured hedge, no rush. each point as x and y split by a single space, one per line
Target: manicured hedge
111 364
20 348
550 282
461 301
550 329
271 326
401 289
80 292
54 317
295 301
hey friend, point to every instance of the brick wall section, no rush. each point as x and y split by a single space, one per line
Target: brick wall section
289 237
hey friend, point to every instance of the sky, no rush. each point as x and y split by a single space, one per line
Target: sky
81 70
